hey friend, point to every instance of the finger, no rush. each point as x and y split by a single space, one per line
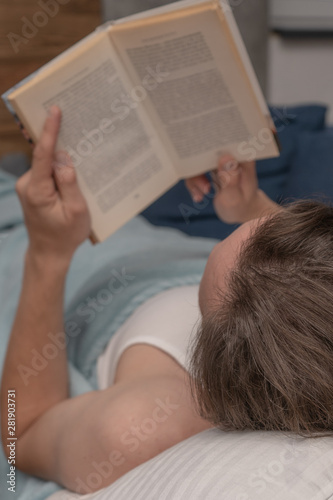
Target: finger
225 160
228 173
249 171
66 180
44 151
198 187
21 185
195 193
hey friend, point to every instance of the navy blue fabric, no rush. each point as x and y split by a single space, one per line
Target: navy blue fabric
290 122
311 174
176 209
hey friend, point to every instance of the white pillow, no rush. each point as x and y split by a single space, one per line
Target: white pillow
216 465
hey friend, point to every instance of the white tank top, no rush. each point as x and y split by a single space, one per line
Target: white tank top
166 321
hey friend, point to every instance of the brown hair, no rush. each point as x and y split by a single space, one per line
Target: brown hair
264 358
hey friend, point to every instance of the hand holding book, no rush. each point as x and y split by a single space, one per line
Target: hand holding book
238 198
56 213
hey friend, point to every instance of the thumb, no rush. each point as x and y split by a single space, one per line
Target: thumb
65 178
250 173
228 173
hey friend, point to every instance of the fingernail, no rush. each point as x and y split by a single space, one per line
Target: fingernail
196 196
223 179
54 111
62 160
231 165
206 189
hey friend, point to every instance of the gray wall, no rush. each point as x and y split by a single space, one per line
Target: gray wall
251 16
301 71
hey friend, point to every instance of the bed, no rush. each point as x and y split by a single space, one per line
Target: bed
212 465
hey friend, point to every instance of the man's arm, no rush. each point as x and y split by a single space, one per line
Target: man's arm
238 198
49 425
39 313
57 220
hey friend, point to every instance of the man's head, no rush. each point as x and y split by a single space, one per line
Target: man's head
263 357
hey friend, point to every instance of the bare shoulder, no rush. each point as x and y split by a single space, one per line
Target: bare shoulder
134 421
88 442
148 410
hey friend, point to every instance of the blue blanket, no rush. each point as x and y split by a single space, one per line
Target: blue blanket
104 286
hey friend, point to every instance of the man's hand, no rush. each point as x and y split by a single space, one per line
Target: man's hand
55 210
238 198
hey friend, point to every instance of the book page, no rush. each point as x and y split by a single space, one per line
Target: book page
199 98
121 164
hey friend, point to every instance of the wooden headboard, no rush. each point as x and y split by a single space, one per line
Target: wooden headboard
59 29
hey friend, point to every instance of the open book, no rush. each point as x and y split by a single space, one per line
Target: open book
149 100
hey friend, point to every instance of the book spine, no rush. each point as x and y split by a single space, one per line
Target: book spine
16 117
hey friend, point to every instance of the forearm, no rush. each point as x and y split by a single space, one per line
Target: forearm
39 385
